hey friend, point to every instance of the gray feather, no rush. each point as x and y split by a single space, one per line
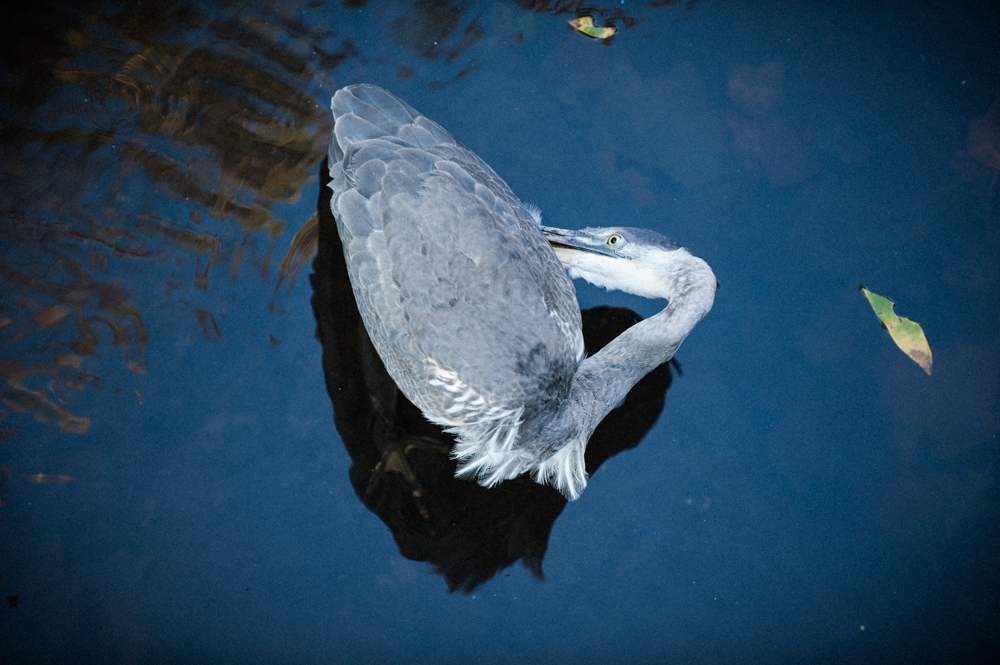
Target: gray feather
468 305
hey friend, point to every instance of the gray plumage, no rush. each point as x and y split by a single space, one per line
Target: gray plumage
470 308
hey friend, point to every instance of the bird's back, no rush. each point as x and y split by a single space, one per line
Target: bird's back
466 303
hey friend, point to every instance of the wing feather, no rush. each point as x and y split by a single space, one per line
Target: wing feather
461 294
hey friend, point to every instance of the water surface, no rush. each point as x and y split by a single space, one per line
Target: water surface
175 485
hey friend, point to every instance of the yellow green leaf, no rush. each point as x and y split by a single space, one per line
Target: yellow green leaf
907 335
585 24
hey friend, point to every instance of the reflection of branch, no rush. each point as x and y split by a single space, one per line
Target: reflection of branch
198 243
303 248
53 305
111 237
209 328
20 398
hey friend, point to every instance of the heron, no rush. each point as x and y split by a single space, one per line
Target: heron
468 298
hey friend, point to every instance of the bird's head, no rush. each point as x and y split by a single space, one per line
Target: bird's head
637 261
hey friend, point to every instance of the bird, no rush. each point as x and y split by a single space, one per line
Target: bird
468 298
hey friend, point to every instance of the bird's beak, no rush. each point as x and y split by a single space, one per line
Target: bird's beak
567 242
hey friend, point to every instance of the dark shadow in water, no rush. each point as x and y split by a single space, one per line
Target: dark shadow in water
401 468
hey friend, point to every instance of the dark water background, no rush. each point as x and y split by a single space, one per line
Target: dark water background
174 488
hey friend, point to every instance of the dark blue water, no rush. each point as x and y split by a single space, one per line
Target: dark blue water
174 486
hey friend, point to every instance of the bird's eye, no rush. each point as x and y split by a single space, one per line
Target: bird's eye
614 240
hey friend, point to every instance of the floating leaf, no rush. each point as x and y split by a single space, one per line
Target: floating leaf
907 335
585 24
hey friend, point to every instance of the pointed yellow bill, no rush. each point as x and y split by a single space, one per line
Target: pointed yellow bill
585 24
907 335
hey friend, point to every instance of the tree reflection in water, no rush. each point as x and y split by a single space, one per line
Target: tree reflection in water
161 134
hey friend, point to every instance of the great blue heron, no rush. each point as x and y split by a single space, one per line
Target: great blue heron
470 308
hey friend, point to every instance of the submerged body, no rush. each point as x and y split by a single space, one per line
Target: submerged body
471 310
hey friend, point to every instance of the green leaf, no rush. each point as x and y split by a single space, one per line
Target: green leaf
585 24
907 335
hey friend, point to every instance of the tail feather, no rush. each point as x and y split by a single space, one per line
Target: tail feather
490 470
492 460
566 470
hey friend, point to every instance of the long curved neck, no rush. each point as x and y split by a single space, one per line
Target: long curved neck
603 380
